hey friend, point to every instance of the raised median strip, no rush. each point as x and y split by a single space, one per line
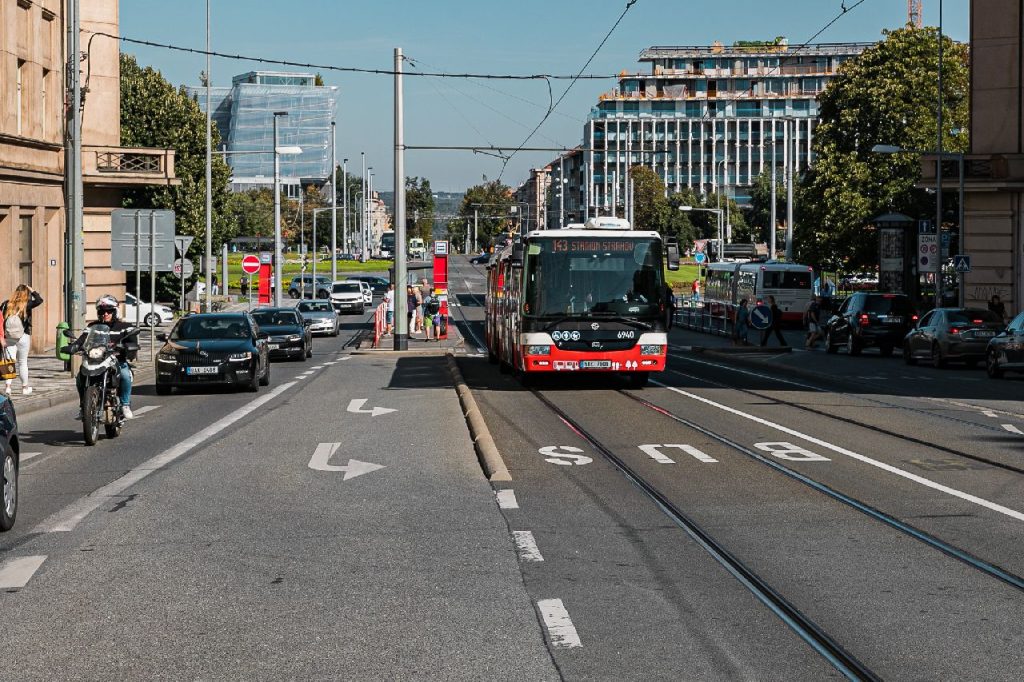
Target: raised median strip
487 452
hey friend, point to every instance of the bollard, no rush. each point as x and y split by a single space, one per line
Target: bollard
63 338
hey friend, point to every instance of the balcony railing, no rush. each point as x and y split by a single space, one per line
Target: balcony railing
128 166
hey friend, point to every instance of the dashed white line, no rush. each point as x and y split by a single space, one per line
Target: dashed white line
527 545
990 413
561 631
143 410
1013 429
25 456
318 366
507 499
15 573
66 519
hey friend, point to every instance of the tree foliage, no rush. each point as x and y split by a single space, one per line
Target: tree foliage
650 209
419 209
493 201
156 114
888 95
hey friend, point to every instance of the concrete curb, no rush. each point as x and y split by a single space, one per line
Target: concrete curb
486 451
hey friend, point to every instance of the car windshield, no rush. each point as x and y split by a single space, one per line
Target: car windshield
617 275
274 318
972 316
887 305
315 307
347 288
201 327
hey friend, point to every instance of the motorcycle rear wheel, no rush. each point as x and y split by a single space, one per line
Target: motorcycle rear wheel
90 415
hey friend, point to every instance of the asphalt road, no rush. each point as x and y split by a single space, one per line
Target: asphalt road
733 520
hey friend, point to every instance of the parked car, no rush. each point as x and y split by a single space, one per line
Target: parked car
9 459
377 284
481 258
146 313
1005 352
303 285
347 297
290 336
213 348
947 334
870 319
367 292
321 315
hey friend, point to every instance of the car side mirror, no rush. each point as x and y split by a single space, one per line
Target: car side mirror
672 253
161 337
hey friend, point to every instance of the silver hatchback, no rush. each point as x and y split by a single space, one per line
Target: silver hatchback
951 334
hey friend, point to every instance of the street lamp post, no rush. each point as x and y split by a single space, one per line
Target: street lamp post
278 264
334 211
718 215
344 204
362 213
209 179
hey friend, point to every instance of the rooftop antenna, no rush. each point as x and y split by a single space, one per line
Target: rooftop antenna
914 17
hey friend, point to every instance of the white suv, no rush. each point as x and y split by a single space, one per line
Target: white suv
367 291
348 297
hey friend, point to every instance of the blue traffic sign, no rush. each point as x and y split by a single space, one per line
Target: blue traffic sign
699 257
962 263
761 317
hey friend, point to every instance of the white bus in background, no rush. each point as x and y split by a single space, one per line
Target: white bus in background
387 244
417 249
790 283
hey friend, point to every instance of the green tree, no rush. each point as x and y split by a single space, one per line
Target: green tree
252 212
888 95
419 209
650 210
493 200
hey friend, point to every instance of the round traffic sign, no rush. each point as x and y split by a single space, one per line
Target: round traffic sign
251 264
181 265
699 257
761 317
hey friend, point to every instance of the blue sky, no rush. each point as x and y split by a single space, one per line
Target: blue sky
523 37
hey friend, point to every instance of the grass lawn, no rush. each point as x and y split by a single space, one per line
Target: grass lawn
293 267
681 279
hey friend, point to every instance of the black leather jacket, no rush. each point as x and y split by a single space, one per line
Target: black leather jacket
126 351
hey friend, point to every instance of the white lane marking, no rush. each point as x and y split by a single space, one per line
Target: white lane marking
318 367
652 451
15 573
25 456
527 546
332 362
307 374
1012 513
561 631
990 413
322 455
143 410
70 516
1012 429
347 357
355 406
507 499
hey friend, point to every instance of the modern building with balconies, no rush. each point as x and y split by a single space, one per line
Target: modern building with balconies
710 119
32 146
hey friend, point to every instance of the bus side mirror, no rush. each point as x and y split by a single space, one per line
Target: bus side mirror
517 255
672 253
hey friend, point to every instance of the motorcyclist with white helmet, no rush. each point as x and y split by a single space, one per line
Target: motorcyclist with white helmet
106 313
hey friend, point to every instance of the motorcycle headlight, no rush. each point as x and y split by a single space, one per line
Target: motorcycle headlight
652 349
239 357
538 350
96 353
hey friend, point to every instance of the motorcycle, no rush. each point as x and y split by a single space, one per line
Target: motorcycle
102 377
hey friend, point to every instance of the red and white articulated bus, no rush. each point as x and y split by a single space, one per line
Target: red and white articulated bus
589 299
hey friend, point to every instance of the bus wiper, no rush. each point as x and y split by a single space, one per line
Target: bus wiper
559 320
621 318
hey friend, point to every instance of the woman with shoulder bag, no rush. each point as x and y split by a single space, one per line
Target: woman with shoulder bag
17 314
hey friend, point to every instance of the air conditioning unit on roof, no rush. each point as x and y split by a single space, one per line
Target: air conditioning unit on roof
607 223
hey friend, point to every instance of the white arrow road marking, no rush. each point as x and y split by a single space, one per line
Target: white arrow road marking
323 453
69 517
561 631
25 456
15 573
928 483
143 410
507 499
527 546
990 413
355 406
1013 429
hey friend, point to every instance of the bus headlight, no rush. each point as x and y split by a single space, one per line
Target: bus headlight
538 350
652 349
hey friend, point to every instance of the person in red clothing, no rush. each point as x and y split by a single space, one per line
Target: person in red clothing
695 290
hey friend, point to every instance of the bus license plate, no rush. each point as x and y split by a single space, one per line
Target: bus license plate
201 370
596 364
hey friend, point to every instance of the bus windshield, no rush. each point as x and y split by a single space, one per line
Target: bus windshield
594 276
387 242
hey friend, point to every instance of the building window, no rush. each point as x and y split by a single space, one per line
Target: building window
801 106
748 108
19 101
25 250
45 106
631 107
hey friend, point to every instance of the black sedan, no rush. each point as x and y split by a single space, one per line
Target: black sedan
378 285
1005 352
290 335
8 464
480 258
213 348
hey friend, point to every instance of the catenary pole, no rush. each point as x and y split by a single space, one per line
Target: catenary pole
362 214
278 263
209 177
401 300
334 207
74 246
938 173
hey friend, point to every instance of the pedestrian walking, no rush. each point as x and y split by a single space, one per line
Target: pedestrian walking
998 307
418 309
695 289
775 326
17 316
410 301
812 320
742 326
389 316
428 318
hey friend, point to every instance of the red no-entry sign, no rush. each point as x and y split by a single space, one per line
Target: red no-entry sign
251 264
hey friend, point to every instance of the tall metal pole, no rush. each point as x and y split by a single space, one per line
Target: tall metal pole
401 299
938 173
209 180
313 274
334 206
791 155
476 227
362 214
369 212
561 191
278 263
74 255
960 237
772 237
344 209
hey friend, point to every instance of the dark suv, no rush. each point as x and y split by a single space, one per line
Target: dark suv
870 319
303 286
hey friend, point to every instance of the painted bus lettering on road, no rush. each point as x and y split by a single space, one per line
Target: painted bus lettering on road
567 457
790 452
653 450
